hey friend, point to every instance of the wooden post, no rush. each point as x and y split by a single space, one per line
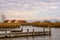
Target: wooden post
21 29
44 31
27 30
10 35
49 30
33 32
5 33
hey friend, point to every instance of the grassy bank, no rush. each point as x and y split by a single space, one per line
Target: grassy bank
9 25
37 24
47 24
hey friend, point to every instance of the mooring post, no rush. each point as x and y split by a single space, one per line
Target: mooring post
43 30
33 32
10 35
27 30
5 33
21 29
50 30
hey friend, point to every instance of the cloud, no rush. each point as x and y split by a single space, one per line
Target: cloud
29 9
14 14
28 15
52 7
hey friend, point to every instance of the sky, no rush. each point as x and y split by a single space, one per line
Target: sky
30 9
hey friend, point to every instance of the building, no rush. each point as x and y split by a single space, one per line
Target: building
20 21
15 21
6 21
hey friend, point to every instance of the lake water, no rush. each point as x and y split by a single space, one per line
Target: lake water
55 34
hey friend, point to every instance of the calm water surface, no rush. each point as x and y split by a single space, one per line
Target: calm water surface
55 34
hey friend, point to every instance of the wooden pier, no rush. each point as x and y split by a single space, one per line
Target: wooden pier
22 34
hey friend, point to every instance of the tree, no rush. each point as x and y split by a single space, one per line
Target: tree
2 17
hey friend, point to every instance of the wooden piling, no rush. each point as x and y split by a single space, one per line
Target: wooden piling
21 29
44 31
33 32
5 33
49 30
27 30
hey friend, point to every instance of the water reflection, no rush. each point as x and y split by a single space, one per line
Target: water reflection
28 38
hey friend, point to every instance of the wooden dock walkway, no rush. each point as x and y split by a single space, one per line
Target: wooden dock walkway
22 34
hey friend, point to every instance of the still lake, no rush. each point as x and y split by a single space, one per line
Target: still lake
55 34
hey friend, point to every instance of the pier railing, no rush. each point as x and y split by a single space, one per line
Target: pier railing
33 33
